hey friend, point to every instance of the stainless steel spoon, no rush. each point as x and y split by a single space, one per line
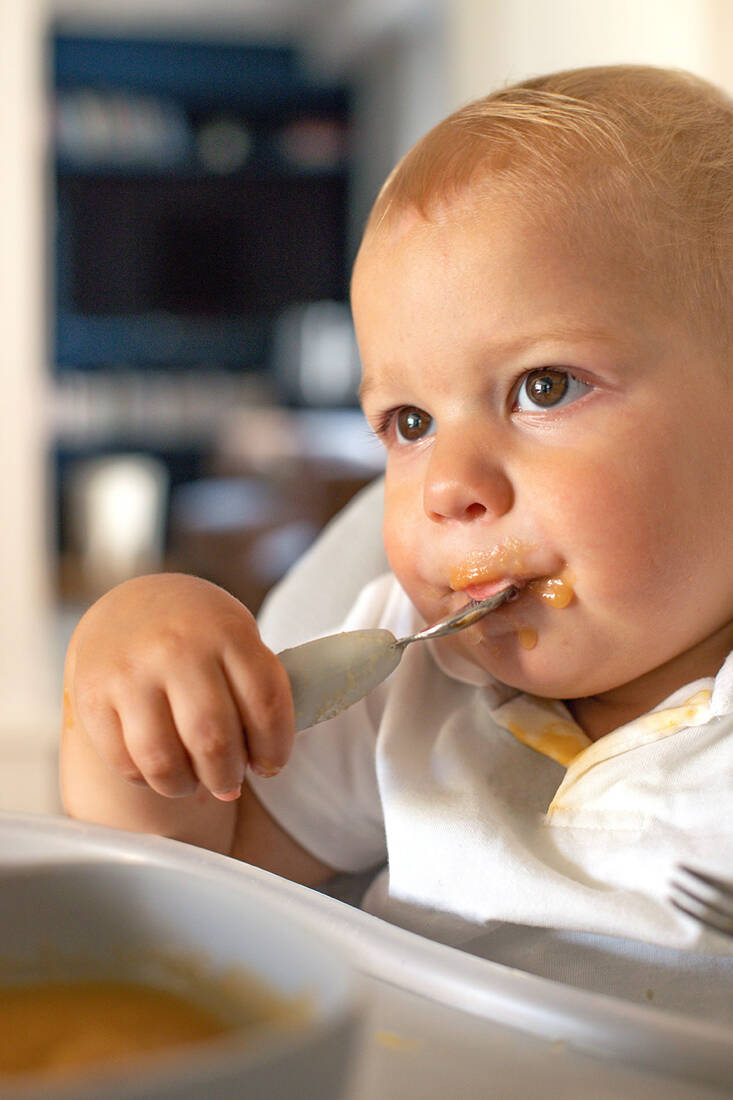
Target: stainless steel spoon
330 674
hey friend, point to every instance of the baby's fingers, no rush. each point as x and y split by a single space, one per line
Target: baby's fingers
154 747
210 728
261 690
103 728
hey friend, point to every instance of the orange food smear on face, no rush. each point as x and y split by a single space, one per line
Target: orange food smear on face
507 559
558 592
527 637
68 714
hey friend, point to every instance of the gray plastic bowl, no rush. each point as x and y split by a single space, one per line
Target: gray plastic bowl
75 892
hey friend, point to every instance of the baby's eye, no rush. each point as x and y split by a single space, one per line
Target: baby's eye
411 424
548 388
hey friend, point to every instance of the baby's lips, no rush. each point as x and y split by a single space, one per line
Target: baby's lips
482 573
490 588
557 591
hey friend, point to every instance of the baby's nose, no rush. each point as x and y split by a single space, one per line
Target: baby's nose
464 484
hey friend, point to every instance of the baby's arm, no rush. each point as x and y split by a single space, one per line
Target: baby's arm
169 695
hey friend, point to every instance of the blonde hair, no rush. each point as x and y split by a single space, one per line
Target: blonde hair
642 155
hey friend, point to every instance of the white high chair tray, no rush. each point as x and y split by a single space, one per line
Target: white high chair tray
439 1022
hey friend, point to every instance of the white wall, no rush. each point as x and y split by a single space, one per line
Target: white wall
494 42
394 53
27 703
402 90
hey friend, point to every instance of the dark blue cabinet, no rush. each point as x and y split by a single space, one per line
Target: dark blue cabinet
201 189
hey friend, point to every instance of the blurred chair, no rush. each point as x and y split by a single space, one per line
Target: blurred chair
318 592
117 509
242 533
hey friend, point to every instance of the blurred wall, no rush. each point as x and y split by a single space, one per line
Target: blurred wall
400 77
495 42
26 691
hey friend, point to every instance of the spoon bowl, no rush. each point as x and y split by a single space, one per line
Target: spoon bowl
328 675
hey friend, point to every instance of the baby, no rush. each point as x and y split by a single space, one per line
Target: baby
544 306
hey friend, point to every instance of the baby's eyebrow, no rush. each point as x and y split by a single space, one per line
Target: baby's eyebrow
365 386
561 334
369 384
513 346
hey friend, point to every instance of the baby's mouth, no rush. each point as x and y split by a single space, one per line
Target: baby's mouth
556 591
490 588
484 573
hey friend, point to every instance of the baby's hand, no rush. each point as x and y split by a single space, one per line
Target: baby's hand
168 679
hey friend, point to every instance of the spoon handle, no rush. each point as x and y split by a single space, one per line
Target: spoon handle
467 616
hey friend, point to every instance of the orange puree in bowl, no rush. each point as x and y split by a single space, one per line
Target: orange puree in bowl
62 1027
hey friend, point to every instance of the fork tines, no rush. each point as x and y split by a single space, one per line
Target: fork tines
703 897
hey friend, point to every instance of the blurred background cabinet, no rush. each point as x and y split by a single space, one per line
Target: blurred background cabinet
201 188
201 243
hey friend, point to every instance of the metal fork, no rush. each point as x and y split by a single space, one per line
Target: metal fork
704 897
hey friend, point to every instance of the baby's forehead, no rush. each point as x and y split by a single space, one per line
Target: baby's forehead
481 213
603 281
402 226
574 149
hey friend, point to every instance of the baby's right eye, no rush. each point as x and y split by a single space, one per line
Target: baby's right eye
411 424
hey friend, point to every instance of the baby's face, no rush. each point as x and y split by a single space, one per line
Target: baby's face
545 427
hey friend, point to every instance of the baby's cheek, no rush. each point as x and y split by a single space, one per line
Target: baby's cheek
617 535
399 507
404 542
398 544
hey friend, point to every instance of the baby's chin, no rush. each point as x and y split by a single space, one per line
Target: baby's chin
520 662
